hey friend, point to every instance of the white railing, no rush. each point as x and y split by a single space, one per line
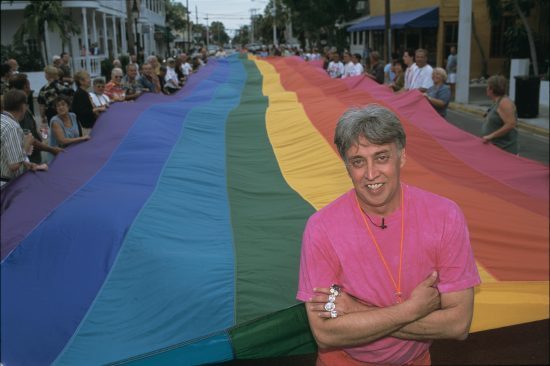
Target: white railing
79 63
118 5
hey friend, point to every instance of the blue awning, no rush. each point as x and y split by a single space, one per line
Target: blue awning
420 18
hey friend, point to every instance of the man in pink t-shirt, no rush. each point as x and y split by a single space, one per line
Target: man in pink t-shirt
386 267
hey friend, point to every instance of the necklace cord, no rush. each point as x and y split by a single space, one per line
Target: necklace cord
397 285
382 226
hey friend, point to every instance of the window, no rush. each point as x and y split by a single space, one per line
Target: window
354 38
413 39
451 36
378 41
398 39
497 36
361 37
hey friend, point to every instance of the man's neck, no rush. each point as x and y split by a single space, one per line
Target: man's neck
379 211
14 115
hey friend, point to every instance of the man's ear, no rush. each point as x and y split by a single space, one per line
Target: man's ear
403 157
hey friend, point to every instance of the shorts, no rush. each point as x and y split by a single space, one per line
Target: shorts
451 78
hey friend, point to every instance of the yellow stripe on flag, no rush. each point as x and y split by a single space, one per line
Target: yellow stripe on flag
309 165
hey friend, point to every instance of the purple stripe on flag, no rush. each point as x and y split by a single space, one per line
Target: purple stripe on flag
29 199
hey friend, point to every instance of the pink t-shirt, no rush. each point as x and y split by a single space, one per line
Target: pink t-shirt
337 248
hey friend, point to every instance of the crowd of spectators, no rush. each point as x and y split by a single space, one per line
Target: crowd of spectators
410 70
68 109
407 70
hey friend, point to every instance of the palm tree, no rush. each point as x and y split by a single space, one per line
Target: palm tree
36 14
520 7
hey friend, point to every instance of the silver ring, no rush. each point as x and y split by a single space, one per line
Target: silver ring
335 289
331 298
333 314
330 306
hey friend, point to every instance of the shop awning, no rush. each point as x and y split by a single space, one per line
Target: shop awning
420 18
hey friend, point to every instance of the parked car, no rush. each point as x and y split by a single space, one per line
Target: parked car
212 49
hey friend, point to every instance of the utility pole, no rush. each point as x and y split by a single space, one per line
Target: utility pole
188 26
252 15
463 51
196 16
275 42
207 33
387 35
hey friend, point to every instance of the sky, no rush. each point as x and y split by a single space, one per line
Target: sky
232 13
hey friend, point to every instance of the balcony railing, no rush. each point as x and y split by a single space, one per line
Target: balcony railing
79 63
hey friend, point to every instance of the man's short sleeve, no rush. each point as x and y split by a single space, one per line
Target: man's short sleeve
457 266
319 265
426 81
11 146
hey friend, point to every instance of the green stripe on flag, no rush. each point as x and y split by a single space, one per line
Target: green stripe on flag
283 333
267 216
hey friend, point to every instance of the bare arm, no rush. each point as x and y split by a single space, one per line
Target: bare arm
362 327
436 102
45 147
42 109
370 76
60 136
452 321
507 112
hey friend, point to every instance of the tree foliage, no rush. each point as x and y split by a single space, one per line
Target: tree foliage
317 20
176 15
519 38
217 33
29 59
242 36
199 33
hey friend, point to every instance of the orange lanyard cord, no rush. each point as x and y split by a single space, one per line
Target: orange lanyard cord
397 285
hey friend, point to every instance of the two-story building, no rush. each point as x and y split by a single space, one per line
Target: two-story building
106 26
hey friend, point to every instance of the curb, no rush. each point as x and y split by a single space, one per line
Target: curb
480 111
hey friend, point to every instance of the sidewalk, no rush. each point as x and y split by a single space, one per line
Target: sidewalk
479 103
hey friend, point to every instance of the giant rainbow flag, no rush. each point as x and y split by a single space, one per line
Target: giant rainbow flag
173 235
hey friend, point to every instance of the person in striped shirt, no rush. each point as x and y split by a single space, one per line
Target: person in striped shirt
15 144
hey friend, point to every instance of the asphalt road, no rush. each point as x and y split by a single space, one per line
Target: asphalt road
531 146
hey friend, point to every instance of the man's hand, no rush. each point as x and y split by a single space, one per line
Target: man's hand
345 303
34 167
56 150
425 296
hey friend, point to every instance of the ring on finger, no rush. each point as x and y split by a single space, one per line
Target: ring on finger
333 314
330 306
335 289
